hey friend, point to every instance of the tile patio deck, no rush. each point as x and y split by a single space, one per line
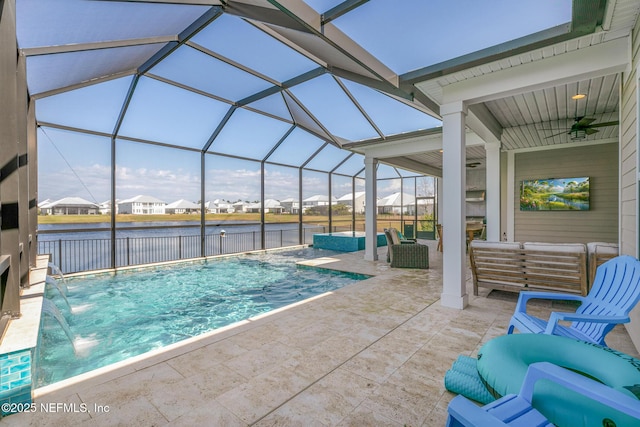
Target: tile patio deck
371 354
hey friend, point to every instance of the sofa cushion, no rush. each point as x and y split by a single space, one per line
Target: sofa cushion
555 247
495 245
602 248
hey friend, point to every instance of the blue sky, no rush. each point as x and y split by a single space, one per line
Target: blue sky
413 34
409 35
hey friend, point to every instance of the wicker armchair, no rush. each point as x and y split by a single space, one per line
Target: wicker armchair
405 255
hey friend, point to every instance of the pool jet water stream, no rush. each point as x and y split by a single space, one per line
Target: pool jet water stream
51 281
48 307
57 271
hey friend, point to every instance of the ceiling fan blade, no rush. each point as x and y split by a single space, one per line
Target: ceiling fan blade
556 134
599 125
584 121
590 131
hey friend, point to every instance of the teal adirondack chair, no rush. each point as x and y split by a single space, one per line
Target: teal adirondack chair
516 410
614 293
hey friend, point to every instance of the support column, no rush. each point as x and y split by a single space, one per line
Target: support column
440 199
454 289
23 171
32 153
370 217
509 233
493 190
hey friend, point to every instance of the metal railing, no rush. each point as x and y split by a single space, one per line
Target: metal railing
76 255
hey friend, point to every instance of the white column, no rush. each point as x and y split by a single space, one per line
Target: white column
511 201
493 190
370 219
439 198
454 289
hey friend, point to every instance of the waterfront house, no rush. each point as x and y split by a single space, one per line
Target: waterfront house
142 205
290 205
395 203
356 202
181 207
270 206
105 207
70 206
239 206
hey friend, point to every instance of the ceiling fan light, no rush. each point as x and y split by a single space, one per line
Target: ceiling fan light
578 134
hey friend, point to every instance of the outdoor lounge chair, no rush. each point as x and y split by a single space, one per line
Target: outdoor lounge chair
516 410
413 255
395 237
614 293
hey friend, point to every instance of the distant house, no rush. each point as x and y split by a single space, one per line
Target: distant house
69 206
319 203
347 199
218 206
290 205
142 205
318 200
240 206
105 207
43 203
181 207
270 206
397 203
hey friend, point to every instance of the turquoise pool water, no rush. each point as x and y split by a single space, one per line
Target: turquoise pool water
115 317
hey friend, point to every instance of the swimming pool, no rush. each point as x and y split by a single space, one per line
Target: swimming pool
115 317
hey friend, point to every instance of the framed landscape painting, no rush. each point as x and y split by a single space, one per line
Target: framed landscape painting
555 194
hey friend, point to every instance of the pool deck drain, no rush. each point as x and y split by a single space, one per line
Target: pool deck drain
372 353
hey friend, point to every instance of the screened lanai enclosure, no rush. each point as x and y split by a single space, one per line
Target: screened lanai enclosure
170 129
235 114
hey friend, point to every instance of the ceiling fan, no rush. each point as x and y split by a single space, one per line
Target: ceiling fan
473 164
582 127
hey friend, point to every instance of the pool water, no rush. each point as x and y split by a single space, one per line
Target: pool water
115 317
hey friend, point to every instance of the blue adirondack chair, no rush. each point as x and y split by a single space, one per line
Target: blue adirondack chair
516 410
615 291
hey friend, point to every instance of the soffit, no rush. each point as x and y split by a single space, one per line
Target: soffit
538 118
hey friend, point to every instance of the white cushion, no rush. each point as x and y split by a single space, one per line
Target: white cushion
394 236
495 245
555 247
602 248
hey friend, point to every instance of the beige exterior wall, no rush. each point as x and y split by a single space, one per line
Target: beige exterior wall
629 167
16 164
599 224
